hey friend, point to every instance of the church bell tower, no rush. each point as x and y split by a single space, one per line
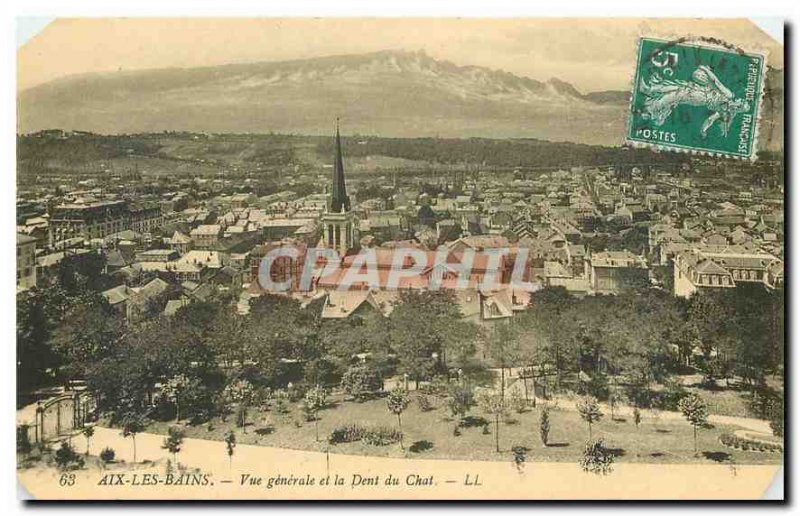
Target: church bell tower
338 222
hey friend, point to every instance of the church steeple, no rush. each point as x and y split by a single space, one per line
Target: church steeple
339 200
338 222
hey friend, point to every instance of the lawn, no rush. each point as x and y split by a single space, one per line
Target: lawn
430 435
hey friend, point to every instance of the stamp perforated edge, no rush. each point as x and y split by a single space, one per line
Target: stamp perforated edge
704 42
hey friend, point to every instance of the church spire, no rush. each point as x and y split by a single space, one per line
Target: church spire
339 200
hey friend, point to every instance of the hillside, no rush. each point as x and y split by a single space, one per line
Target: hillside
397 94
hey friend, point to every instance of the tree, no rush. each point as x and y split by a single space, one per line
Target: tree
280 328
230 445
173 390
125 380
776 415
360 381
615 398
596 458
428 324
241 393
544 328
315 400
78 274
132 424
520 455
86 334
589 410
396 402
709 319
229 336
66 458
504 347
88 432
694 410
23 440
459 401
173 442
544 425
37 314
496 405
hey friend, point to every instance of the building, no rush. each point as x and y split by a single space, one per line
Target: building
280 227
696 269
613 271
156 255
282 269
88 220
180 242
144 217
26 262
135 303
206 236
338 222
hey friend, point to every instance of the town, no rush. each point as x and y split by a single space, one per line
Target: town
141 279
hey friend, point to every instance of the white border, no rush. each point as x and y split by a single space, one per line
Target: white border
502 8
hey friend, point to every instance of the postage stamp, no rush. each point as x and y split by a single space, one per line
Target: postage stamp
696 96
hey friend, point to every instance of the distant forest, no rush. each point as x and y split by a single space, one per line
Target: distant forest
57 152
507 153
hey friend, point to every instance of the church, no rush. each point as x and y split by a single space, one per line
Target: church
338 221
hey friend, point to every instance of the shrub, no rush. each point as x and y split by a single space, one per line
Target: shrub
281 402
589 411
295 392
381 436
315 400
107 455
596 458
741 443
424 403
241 415
346 434
437 387
520 455
376 436
596 386
174 441
544 426
361 381
766 403
672 394
517 402
239 391
776 423
320 371
23 440
429 390
262 397
66 458
198 403
459 401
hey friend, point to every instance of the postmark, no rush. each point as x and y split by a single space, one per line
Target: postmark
696 96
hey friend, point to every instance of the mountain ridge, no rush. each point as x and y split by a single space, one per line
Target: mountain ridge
390 92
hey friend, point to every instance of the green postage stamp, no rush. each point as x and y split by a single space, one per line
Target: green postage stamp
696 97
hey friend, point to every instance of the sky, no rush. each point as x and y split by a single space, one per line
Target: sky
592 54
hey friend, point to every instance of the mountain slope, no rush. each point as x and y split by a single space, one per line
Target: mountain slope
389 93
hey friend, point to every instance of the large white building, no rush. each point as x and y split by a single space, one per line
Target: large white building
26 262
696 269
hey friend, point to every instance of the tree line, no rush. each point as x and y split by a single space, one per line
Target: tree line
632 344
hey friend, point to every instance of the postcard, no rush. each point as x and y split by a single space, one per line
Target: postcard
400 259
